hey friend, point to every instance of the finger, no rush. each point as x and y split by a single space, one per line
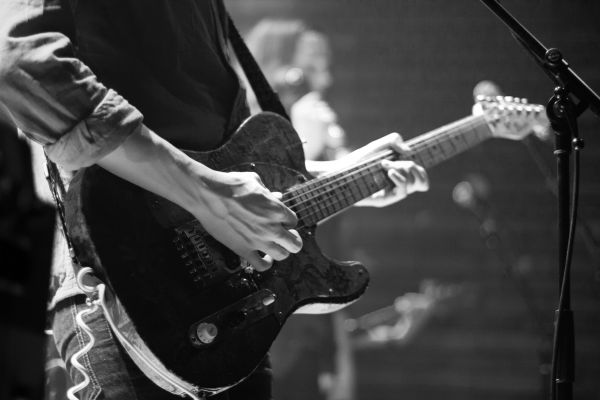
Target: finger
259 263
401 147
290 240
377 145
391 139
399 177
276 251
400 181
397 165
287 218
277 195
257 178
421 179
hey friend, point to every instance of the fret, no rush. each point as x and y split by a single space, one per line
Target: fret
420 158
350 193
458 142
302 206
339 197
319 205
323 197
362 189
446 148
439 145
329 202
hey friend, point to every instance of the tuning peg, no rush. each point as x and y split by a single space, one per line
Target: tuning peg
524 100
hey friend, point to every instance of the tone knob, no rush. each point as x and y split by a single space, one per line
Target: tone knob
206 332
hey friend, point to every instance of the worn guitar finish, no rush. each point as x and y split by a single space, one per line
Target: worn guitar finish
170 275
200 309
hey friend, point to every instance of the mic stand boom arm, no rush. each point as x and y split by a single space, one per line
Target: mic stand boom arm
562 113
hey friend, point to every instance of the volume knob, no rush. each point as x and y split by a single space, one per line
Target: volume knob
206 332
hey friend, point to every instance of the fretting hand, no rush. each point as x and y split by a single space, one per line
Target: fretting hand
406 176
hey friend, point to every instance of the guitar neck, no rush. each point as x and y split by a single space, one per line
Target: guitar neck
321 198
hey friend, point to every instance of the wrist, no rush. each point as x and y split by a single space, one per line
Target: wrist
200 187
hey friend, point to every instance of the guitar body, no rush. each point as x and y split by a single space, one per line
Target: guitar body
195 304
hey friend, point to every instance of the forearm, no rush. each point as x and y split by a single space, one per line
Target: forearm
151 162
233 207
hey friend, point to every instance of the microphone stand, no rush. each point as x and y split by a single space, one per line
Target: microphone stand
491 234
563 113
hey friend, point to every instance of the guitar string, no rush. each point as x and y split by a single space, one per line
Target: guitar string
316 184
355 175
320 209
330 201
417 144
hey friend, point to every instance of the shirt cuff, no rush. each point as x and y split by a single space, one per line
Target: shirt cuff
109 125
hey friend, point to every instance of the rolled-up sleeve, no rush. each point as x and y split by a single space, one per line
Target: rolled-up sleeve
53 97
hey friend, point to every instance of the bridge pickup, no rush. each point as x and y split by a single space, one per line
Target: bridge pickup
238 315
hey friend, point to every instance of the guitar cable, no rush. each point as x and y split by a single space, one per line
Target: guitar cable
92 303
57 189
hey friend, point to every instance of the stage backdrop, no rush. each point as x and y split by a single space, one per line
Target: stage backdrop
410 66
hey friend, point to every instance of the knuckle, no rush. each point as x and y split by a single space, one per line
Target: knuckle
394 136
255 177
260 264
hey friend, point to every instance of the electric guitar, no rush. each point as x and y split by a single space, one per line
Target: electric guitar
195 306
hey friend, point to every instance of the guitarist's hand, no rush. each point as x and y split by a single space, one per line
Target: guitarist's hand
407 176
235 208
246 217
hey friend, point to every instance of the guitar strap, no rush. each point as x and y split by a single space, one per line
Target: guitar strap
266 96
55 182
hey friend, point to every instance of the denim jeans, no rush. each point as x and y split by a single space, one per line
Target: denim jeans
113 376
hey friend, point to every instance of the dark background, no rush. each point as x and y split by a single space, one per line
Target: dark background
410 66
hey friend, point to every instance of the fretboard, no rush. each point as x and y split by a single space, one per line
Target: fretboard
321 198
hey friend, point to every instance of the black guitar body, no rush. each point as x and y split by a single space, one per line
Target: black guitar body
201 311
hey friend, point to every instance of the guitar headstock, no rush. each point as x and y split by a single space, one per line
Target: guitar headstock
512 117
